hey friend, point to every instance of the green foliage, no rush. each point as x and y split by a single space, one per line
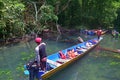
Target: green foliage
69 13
47 13
93 13
6 75
11 21
117 21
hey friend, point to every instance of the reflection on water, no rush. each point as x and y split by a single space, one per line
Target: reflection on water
97 65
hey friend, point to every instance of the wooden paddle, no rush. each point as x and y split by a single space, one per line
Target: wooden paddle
109 49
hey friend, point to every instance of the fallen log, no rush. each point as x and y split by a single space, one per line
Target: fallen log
109 49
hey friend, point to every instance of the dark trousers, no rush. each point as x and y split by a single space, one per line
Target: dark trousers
43 65
99 37
33 74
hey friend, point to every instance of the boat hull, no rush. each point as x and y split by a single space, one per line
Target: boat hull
53 71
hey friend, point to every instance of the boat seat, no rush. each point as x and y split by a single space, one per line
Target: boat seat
53 62
63 60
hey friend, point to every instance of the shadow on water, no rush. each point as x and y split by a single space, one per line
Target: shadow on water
97 65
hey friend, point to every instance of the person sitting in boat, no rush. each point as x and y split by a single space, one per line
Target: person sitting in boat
80 50
62 55
71 54
80 40
41 56
74 52
93 41
88 44
99 33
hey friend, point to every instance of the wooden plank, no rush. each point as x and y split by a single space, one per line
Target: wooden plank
53 63
109 49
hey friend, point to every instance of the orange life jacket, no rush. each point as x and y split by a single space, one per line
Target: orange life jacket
69 54
73 55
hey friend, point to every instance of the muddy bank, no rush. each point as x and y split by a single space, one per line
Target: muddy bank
46 34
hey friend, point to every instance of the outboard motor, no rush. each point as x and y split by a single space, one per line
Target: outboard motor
33 69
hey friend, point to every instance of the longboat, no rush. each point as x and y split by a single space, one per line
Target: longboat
57 64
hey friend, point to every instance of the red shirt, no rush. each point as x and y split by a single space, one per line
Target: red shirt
99 32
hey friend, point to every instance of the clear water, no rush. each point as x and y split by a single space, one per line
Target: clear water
97 65
13 57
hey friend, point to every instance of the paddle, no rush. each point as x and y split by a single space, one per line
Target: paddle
109 49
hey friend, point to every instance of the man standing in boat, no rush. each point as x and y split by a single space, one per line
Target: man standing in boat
99 33
41 55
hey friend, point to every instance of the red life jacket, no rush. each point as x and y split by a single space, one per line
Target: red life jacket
99 32
62 56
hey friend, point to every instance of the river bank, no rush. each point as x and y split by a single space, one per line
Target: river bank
46 34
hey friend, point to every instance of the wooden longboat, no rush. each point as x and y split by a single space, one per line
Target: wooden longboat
56 69
53 58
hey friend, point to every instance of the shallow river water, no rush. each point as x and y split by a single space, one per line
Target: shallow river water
96 65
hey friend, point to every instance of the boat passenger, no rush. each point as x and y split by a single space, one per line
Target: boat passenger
41 55
80 50
80 40
62 55
74 52
113 33
71 54
88 44
99 33
93 41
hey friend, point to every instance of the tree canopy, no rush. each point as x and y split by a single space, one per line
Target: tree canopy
20 17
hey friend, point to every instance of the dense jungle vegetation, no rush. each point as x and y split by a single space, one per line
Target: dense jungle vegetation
21 17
